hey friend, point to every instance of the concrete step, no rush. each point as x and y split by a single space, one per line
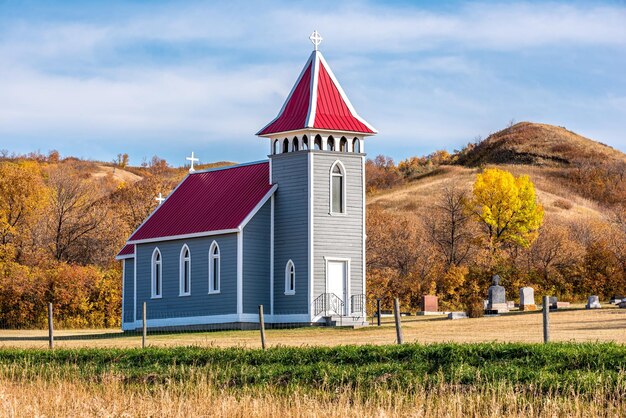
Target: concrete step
346 321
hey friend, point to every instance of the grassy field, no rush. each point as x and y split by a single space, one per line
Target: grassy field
411 380
580 325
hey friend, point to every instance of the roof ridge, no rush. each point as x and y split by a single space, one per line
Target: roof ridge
228 167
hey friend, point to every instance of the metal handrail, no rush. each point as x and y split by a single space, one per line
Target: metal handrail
328 302
357 303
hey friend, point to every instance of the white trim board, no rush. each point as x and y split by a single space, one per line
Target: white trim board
240 272
186 236
311 215
258 207
272 256
124 257
217 319
343 94
293 89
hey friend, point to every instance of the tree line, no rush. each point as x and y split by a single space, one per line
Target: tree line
452 246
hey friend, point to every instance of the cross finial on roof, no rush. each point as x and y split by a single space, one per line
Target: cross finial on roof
192 159
316 39
160 198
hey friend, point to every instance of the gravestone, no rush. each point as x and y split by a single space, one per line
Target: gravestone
430 303
593 302
497 297
615 300
527 299
554 303
457 315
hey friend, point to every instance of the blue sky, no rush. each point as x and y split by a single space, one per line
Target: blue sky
167 78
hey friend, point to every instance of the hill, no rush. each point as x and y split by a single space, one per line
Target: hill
538 144
418 241
574 176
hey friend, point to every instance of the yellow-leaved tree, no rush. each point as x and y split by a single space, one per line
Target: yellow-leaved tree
22 194
507 207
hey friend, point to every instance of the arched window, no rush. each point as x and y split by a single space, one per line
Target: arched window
295 146
318 142
214 268
290 278
305 142
285 145
330 143
185 271
343 144
276 146
356 145
156 273
337 188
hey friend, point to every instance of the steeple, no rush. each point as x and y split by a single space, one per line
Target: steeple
317 102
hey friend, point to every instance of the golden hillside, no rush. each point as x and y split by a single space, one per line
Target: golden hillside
575 177
539 144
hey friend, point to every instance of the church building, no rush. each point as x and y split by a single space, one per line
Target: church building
287 232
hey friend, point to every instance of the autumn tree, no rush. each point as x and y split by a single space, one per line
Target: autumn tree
449 225
399 258
506 207
74 211
21 196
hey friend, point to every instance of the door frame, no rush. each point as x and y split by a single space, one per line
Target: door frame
346 285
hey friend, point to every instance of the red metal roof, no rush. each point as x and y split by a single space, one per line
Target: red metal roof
213 200
317 101
126 251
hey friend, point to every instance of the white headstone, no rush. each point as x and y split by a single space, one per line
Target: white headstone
593 302
457 315
526 296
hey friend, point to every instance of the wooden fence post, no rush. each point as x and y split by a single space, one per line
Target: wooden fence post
378 310
396 312
50 327
145 327
262 326
546 319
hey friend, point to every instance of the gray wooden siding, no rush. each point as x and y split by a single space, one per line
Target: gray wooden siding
256 261
199 303
129 275
338 235
291 239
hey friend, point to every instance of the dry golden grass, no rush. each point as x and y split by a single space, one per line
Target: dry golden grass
559 202
58 397
118 174
607 324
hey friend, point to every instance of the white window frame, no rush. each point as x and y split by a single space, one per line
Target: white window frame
212 257
344 207
288 269
181 271
156 265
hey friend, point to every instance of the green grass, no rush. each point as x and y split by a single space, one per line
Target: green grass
553 367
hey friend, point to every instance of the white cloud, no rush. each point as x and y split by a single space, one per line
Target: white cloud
416 74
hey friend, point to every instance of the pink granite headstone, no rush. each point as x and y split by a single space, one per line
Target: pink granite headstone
430 303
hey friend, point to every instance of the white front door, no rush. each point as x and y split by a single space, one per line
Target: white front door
337 274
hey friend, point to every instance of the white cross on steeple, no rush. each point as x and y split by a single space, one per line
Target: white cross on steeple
159 199
192 159
316 39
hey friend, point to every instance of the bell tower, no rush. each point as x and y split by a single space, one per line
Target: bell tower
317 160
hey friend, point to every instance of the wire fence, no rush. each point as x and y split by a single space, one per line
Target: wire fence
549 321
